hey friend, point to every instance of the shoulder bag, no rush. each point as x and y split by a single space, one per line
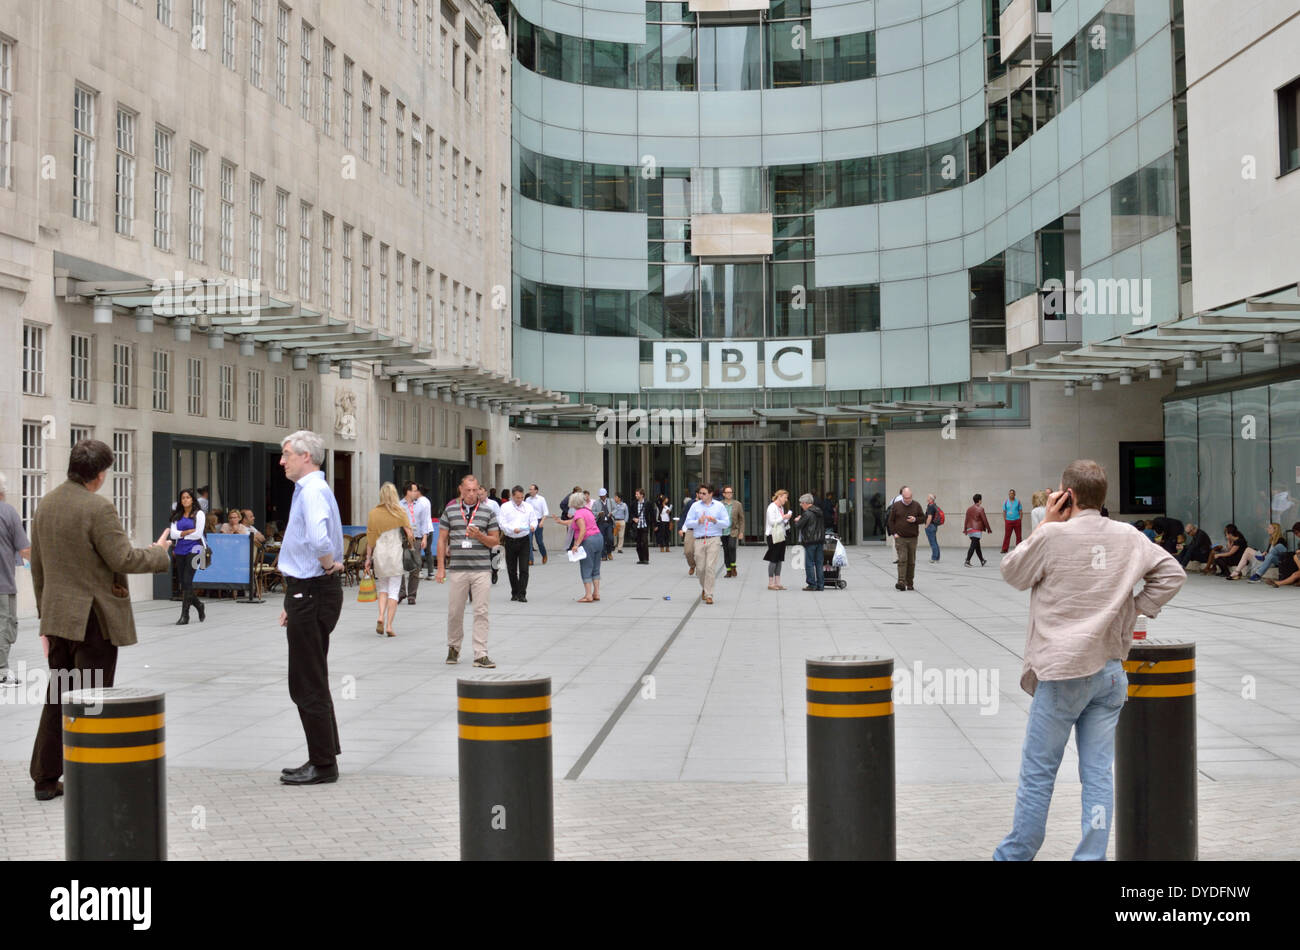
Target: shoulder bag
410 560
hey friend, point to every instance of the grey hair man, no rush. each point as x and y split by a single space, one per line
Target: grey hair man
14 548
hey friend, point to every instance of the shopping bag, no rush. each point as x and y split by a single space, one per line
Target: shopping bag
840 558
366 590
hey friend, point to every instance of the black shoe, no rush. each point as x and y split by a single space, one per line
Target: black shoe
198 605
47 794
411 600
185 618
809 587
983 562
311 775
900 586
298 769
523 599
643 562
514 596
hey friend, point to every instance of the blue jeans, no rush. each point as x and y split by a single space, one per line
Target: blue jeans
589 566
1090 705
813 569
932 535
541 545
1274 553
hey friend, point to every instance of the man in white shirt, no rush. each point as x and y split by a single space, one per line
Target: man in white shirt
487 501
417 509
543 512
518 521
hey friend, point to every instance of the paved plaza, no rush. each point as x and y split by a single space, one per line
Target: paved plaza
679 728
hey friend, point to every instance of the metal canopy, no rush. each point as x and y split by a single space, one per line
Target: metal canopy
1249 324
467 380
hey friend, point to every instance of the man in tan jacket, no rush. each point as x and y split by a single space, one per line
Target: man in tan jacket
80 559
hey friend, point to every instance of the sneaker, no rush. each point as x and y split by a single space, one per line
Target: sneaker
900 587
8 679
1255 578
484 663
453 655
1259 557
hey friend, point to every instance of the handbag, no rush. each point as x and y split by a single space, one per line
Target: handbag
410 560
366 590
778 532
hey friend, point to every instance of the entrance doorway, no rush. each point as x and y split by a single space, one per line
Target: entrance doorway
343 485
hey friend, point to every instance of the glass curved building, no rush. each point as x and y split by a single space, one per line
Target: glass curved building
846 231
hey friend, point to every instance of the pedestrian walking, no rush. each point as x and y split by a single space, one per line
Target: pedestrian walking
905 519
311 562
538 502
688 534
975 526
932 526
186 531
387 525
642 515
80 556
707 521
810 524
889 535
1011 515
1082 614
604 512
518 521
777 526
587 538
732 539
467 534
418 513
620 522
14 548
663 523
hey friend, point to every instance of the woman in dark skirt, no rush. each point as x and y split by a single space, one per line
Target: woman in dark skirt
775 556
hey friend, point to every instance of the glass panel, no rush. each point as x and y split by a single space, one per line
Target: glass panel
1214 453
1250 474
731 300
1285 431
679 302
730 58
727 191
792 299
854 309
1181 500
608 64
676 57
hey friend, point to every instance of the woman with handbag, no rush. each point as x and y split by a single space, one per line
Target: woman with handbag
388 541
777 518
186 529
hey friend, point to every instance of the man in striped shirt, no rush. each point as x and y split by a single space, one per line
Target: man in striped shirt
468 533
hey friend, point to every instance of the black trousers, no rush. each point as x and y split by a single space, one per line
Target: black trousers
974 550
313 608
642 544
517 564
185 573
73 665
411 581
729 550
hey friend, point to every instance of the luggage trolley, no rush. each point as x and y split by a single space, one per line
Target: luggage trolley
832 574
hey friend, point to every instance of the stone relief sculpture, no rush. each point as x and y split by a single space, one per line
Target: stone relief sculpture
345 414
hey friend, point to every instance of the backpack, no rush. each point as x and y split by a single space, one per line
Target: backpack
939 518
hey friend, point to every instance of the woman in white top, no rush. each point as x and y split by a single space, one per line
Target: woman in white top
775 556
664 524
1039 511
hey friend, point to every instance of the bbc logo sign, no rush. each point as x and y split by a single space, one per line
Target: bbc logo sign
738 365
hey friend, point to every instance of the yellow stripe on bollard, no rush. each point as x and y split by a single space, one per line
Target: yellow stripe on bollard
1161 691
133 753
870 684
862 711
504 733
87 724
525 704
1159 666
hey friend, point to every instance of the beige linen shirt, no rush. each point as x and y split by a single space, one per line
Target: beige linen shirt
1082 607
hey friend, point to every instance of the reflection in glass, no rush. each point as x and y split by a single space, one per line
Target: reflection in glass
727 191
731 300
730 58
679 301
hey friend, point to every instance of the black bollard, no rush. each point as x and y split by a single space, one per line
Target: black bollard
851 759
1155 755
114 775
507 811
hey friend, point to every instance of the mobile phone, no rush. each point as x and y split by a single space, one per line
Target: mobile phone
1069 500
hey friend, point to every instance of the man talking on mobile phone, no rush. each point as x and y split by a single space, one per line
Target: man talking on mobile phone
1083 569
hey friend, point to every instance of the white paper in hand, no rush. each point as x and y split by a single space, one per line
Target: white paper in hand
577 555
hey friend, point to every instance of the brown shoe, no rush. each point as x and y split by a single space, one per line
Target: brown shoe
691 571
708 600
543 558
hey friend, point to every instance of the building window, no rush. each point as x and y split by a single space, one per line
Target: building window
365 278
164 8
199 24
83 154
427 336
162 189
194 386
455 186
305 51
443 55
428 166
400 17
366 84
455 318
280 402
442 175
304 251
383 130
281 240
123 371
304 404
227 217
466 182
80 434
255 396
229 13
383 417
1288 115
383 286
326 86
399 324
347 102
162 381
33 471
502 229
401 148
428 34
254 228
282 55
415 300
198 159
226 391
442 313
400 412
347 271
478 201
123 479
257 44
124 174
6 112
326 261
79 371
33 360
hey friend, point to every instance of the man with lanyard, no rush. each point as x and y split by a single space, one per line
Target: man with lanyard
468 533
709 520
311 562
518 521
641 511
417 509
1011 514
543 512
